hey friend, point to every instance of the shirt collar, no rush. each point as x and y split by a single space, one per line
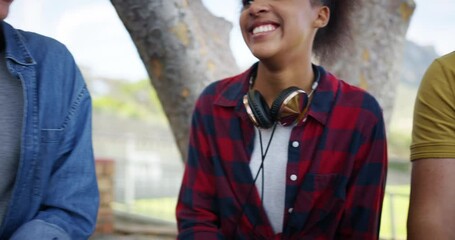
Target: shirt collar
324 96
15 45
234 88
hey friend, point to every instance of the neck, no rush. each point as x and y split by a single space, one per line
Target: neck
271 80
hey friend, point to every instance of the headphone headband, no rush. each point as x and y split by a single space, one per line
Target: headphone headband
288 108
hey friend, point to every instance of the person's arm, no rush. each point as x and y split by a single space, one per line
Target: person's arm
432 203
70 201
365 190
432 200
197 216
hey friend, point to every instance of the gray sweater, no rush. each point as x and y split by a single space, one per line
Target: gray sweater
11 113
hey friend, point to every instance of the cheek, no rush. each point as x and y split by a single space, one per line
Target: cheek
242 19
243 24
304 22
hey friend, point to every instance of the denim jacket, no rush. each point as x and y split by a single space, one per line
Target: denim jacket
55 195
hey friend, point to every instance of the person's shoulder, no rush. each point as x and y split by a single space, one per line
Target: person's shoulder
39 46
446 62
350 91
448 58
440 71
224 92
35 40
357 97
229 86
221 84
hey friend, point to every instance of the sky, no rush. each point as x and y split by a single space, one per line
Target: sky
98 40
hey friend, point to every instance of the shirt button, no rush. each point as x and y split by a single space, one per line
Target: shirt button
295 144
28 60
290 210
293 177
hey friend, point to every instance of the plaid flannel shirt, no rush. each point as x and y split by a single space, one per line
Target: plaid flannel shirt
338 168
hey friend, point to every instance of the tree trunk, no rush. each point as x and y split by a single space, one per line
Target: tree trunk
184 47
373 60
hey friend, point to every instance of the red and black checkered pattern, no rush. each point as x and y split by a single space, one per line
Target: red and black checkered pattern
340 163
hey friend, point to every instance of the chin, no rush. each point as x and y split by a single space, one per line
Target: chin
260 53
3 15
4 10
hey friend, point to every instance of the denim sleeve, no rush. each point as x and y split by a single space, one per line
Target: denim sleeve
71 197
56 187
40 230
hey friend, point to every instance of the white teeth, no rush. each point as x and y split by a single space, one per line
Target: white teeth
263 28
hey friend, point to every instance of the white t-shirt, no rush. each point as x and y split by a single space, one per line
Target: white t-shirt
275 163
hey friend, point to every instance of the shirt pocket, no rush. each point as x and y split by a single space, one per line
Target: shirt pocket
51 135
58 124
319 202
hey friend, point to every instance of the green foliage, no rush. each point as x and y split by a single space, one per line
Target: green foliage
398 143
159 208
135 100
403 167
396 202
400 127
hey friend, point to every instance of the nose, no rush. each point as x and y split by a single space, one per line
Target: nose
257 7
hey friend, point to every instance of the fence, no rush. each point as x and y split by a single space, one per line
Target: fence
148 176
148 166
395 212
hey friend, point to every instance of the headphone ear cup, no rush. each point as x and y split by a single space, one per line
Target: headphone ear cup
260 109
278 102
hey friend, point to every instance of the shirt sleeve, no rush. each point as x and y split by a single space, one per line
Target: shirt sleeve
433 133
365 193
71 199
197 217
40 230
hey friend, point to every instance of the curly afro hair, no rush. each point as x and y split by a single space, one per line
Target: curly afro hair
331 38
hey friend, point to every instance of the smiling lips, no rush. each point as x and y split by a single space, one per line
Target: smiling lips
263 28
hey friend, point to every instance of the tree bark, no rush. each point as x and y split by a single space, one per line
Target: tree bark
373 60
184 47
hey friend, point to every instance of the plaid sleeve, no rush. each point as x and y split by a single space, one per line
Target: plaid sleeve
197 217
365 193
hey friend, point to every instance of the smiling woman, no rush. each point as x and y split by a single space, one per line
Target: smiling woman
94 44
429 26
265 160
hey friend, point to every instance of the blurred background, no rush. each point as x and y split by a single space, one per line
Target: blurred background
137 160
